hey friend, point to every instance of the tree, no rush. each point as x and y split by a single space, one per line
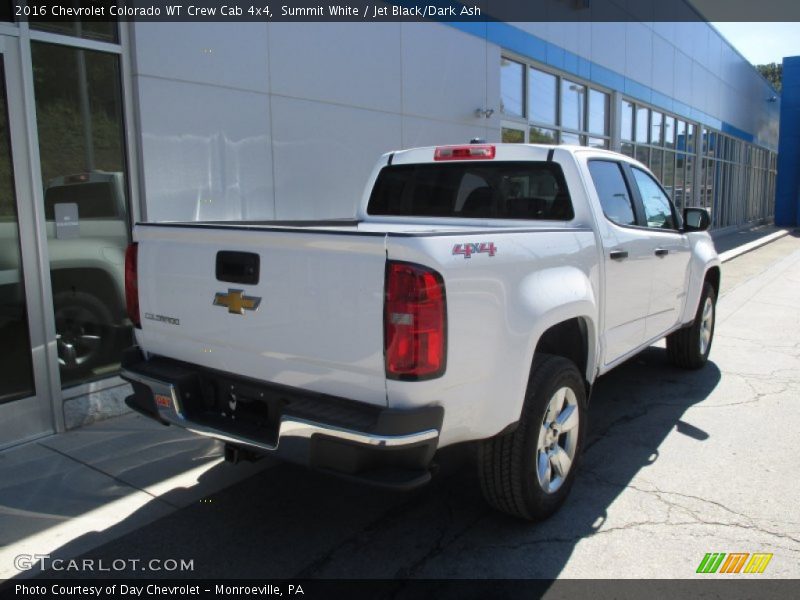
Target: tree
773 73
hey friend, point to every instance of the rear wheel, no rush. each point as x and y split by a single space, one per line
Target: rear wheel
84 332
688 347
528 472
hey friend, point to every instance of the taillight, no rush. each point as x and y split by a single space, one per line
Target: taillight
471 152
132 283
415 322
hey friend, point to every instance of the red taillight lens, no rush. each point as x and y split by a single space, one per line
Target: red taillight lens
471 152
132 283
415 322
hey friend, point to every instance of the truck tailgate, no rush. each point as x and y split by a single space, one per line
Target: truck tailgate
313 320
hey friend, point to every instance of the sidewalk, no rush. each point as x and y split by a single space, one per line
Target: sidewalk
75 491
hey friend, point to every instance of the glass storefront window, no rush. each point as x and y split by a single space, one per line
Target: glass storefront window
541 97
512 88
573 104
594 142
669 131
541 135
509 135
81 144
641 124
627 121
655 128
571 138
680 135
598 112
656 161
103 31
16 361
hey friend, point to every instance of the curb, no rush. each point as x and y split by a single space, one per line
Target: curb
745 248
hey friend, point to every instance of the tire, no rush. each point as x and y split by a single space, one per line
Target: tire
84 332
508 463
688 347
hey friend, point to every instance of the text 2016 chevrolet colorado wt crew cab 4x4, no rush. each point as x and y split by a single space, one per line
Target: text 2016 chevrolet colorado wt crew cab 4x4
478 295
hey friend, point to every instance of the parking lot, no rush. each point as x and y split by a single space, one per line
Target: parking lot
677 464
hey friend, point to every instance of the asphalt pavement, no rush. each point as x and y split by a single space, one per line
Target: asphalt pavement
678 464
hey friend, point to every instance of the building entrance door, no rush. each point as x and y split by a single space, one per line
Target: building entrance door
26 409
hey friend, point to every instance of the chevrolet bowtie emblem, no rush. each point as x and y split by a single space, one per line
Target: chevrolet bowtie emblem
236 301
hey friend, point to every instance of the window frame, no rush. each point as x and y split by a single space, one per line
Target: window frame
525 122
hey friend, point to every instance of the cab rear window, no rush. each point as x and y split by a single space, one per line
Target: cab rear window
497 190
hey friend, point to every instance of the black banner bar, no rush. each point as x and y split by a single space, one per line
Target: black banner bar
466 11
710 587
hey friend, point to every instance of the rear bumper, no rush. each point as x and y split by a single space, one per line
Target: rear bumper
388 447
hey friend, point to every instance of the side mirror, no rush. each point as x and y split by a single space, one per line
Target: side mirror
696 219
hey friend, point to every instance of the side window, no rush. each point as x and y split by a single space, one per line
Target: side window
613 192
657 207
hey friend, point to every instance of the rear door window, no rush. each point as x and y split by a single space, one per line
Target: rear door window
500 190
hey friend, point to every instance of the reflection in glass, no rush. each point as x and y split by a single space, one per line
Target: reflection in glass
573 104
541 135
104 31
571 138
657 209
668 178
680 136
541 97
641 125
669 132
511 87
680 169
16 364
690 136
656 160
81 145
643 155
512 136
655 128
598 112
597 142
627 121
627 149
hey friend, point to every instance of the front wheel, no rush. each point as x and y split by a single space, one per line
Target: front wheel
528 472
688 347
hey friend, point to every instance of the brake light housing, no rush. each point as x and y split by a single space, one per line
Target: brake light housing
132 283
415 322
467 152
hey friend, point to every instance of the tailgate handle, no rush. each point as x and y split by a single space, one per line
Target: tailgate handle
238 267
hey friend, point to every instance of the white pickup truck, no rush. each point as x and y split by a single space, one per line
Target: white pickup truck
479 294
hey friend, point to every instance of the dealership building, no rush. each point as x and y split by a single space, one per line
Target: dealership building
106 124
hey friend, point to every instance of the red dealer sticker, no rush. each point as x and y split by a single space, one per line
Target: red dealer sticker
467 250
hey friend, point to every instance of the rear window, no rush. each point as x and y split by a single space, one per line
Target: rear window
500 190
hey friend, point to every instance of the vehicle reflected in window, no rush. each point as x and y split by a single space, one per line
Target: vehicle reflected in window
81 144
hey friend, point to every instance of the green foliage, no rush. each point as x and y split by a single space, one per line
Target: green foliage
773 72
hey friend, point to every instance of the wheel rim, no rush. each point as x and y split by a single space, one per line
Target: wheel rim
558 440
706 326
78 337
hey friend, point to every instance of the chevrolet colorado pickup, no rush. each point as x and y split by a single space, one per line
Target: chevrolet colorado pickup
477 296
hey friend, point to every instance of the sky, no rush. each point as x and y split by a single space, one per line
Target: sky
762 43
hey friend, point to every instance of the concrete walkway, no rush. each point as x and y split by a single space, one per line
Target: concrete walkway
677 464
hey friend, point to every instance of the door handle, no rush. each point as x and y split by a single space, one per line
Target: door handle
661 251
618 255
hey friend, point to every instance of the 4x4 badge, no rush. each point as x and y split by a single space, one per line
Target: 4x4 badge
236 302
